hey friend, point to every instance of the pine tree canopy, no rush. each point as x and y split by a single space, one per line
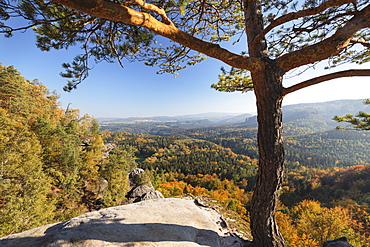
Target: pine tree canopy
295 33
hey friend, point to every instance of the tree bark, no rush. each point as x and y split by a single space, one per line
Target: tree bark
268 91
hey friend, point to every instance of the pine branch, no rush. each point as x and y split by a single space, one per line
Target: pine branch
299 14
154 8
332 46
361 41
118 12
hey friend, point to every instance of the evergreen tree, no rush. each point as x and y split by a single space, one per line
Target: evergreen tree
115 170
361 121
13 90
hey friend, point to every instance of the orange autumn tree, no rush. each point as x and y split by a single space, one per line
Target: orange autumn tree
224 191
281 36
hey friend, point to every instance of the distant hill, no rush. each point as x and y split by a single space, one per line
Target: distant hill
213 117
314 117
298 119
164 125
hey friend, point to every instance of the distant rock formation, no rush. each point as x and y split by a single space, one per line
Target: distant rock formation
163 223
340 242
141 187
107 147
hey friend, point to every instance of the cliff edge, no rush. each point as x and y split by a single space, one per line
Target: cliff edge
162 222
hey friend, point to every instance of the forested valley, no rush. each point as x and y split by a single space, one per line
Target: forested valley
57 164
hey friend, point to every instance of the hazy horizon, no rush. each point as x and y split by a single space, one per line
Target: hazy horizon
224 113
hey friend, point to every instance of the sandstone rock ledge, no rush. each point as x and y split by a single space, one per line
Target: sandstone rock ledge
163 222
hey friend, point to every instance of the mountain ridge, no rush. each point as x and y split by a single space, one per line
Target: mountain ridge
216 116
298 119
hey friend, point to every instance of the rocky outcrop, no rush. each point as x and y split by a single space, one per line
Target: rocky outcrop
340 242
138 177
107 148
141 187
163 223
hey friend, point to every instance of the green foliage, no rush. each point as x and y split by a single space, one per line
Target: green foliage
361 121
213 21
310 29
190 156
12 86
321 149
115 170
328 149
233 80
155 128
342 194
185 155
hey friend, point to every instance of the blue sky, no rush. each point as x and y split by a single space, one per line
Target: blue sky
137 91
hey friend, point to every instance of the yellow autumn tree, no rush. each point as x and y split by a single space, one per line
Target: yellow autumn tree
309 224
24 187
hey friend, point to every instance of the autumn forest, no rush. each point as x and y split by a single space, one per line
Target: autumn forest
57 164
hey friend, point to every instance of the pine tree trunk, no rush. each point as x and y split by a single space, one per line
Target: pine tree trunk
268 90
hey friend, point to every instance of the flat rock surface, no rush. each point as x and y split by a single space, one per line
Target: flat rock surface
162 222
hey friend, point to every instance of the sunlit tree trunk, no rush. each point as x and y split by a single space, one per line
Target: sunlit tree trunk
268 90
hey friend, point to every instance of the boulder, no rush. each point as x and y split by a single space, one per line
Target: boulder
151 195
140 191
143 192
141 187
163 223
